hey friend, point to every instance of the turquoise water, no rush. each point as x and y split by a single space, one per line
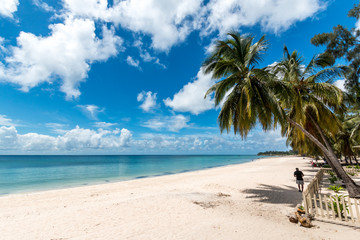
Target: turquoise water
36 173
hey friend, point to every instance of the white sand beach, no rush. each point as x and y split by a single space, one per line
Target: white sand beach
245 201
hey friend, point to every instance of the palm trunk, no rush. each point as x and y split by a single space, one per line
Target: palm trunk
353 189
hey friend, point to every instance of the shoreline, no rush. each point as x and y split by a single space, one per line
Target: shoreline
241 201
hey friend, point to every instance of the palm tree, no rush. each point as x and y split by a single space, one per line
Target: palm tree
347 137
250 98
300 102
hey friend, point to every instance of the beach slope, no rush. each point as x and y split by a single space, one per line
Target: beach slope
245 201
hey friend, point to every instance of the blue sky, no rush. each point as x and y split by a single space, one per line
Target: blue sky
124 77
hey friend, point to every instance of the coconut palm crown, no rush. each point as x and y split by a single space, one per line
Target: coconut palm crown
245 88
307 93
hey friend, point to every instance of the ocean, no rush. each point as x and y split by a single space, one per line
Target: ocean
19 174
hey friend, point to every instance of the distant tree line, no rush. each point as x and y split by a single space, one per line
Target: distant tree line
275 153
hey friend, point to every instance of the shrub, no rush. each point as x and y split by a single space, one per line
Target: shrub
326 166
341 206
333 179
336 188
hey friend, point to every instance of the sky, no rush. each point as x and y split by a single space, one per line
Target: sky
125 77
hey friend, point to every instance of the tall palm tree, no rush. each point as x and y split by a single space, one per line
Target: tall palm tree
301 99
250 98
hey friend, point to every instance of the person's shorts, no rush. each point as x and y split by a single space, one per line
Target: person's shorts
300 182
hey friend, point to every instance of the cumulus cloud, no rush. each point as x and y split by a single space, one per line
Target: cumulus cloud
170 21
171 123
210 143
273 15
8 7
74 140
191 97
65 54
166 21
148 100
91 110
87 140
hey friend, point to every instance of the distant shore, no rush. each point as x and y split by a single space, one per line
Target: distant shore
244 201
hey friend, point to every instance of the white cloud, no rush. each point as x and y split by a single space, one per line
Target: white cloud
91 110
8 7
169 22
171 123
74 140
145 55
94 8
132 62
273 15
104 124
191 97
148 100
166 21
43 5
81 140
157 62
58 128
340 84
66 54
210 143
5 121
8 137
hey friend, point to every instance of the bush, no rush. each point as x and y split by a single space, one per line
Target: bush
333 178
336 188
326 166
341 206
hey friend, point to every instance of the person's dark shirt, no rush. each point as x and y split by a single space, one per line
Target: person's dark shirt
299 175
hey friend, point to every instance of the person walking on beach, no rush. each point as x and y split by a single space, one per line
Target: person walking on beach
299 179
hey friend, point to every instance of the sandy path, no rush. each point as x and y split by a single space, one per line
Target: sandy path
246 201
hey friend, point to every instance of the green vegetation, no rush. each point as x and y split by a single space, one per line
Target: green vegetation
277 153
336 188
298 97
341 206
333 179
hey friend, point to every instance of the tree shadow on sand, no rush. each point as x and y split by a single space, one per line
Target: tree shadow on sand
275 194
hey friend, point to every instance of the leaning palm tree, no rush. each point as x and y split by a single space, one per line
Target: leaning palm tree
275 96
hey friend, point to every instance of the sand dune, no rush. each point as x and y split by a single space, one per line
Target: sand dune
246 201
